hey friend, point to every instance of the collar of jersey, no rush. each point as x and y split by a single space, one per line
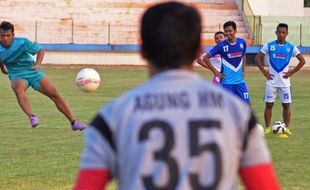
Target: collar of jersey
175 74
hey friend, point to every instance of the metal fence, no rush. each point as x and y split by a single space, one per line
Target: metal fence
69 31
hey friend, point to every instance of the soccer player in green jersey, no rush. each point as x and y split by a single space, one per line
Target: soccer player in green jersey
23 71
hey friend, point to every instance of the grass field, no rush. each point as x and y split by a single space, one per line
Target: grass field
48 157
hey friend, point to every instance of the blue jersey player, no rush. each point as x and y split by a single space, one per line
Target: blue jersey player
16 61
232 51
278 75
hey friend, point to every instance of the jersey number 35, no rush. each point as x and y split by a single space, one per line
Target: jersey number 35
195 149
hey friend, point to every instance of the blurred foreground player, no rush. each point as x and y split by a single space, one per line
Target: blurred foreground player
176 131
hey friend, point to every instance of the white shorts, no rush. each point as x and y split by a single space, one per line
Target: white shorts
283 92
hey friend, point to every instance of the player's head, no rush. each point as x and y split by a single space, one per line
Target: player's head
170 34
282 31
6 33
230 29
219 37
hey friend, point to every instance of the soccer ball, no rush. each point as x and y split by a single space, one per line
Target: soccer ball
278 127
260 128
88 80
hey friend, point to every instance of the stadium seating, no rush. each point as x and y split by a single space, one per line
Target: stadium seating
104 22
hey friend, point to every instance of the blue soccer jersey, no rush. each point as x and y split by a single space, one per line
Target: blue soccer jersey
17 57
279 60
232 60
279 55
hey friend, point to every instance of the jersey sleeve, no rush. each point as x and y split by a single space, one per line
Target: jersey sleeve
216 50
245 46
31 47
295 51
255 162
255 149
100 149
264 49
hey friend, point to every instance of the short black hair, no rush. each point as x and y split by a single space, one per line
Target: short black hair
282 25
219 32
230 23
5 25
170 34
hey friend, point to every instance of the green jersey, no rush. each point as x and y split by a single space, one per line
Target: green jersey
18 56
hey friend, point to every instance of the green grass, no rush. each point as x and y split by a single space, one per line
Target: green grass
48 157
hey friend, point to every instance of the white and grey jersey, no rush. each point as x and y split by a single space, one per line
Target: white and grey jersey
176 131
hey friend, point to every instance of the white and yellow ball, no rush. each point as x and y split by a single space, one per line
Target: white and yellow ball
278 127
88 80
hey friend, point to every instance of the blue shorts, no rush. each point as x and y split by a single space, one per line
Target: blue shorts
31 77
240 90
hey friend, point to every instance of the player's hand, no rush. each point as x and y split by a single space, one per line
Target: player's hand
4 70
268 76
200 61
36 67
219 75
287 74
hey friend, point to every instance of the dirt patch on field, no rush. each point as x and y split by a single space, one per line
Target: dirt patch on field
99 67
139 67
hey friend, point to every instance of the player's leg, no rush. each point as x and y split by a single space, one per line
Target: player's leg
241 90
286 114
286 99
20 87
267 116
48 89
270 97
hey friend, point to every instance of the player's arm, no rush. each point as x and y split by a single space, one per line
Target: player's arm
243 65
244 59
259 177
92 179
256 170
3 69
259 62
206 60
40 56
34 49
301 63
201 61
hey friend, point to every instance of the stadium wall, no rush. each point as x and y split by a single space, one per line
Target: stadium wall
88 54
278 7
